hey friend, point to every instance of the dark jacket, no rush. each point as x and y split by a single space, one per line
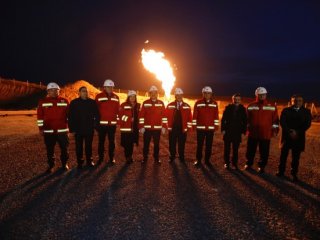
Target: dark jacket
234 122
299 121
83 116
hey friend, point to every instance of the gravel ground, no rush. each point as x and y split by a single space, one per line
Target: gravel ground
152 201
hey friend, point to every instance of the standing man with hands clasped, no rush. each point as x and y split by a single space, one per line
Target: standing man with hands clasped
295 121
233 124
83 118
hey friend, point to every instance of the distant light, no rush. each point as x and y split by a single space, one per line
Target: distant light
147 41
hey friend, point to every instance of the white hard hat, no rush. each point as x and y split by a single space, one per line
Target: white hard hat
153 88
178 91
108 83
260 90
53 85
131 92
207 89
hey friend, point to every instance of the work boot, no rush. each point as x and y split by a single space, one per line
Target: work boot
129 160
80 163
50 169
100 161
65 167
197 163
295 178
112 161
90 163
247 167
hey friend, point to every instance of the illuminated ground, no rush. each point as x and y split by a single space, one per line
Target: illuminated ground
163 201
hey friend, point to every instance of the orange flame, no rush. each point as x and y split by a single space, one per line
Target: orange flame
155 63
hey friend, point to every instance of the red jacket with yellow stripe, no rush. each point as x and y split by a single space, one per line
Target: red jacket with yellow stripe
126 116
52 115
206 115
263 120
185 114
108 106
152 115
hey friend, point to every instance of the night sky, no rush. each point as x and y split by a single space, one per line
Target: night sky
231 47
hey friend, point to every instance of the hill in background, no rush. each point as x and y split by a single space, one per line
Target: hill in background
20 95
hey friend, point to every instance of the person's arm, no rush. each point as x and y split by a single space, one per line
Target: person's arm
40 117
141 117
224 121
195 116
244 120
164 118
275 121
71 117
216 117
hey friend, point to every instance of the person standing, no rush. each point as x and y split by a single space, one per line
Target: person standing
52 121
233 124
206 121
263 123
108 105
83 118
179 122
152 121
294 121
129 124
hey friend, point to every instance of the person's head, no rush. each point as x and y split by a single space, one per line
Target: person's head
297 100
83 93
261 93
153 92
53 90
178 93
207 93
108 86
236 99
132 96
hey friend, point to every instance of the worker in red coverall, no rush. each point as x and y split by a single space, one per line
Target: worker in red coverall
108 105
129 124
179 118
152 122
52 121
205 121
263 123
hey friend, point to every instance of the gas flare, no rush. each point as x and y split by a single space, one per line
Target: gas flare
155 63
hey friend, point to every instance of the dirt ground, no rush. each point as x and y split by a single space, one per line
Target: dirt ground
152 201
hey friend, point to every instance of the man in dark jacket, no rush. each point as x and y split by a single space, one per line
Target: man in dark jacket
83 118
233 124
295 121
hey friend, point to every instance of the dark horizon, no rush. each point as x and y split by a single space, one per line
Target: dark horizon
231 47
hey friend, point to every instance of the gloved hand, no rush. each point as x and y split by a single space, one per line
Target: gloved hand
163 130
142 130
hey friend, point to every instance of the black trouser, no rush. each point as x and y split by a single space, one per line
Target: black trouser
264 147
227 148
203 135
50 141
87 140
295 159
176 135
103 132
127 142
148 134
